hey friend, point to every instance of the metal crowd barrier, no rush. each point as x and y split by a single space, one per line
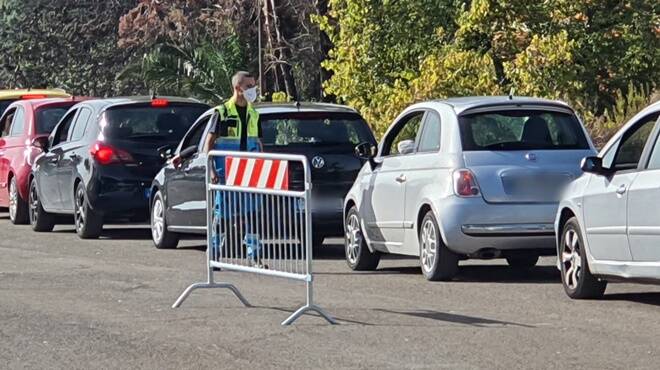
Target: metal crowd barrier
256 223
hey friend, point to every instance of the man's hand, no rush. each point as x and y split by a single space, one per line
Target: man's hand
176 161
214 177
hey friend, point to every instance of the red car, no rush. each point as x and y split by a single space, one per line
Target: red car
24 129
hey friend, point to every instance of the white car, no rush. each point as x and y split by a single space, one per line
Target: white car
476 177
608 223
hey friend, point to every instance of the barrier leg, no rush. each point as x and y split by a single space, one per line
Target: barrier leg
210 285
310 306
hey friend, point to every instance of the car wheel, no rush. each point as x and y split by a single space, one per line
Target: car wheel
163 239
89 224
438 262
576 277
358 255
524 261
40 220
18 207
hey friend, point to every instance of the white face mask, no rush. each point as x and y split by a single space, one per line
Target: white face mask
250 94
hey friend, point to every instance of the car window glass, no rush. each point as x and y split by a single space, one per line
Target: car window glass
406 129
6 122
194 137
63 128
81 124
430 139
18 125
630 149
318 129
654 160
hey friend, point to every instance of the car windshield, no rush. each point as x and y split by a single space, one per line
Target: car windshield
47 118
314 128
151 124
4 104
533 129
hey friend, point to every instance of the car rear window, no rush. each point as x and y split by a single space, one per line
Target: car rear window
47 118
314 128
533 129
147 123
4 104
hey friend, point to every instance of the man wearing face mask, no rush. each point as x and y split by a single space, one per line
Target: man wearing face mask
236 124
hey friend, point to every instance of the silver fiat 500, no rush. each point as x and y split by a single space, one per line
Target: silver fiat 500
476 177
608 221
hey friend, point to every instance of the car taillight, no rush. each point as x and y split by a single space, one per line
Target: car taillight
105 154
33 96
159 103
465 184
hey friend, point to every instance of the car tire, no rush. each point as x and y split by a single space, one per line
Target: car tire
576 277
89 224
437 261
358 255
18 207
162 238
40 220
523 261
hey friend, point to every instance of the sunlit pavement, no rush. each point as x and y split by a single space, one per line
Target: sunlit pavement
69 303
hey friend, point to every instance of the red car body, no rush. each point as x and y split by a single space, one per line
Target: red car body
24 126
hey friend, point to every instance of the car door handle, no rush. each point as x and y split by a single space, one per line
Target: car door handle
621 190
401 178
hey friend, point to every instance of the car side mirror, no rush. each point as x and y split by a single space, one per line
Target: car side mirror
406 146
593 165
188 152
41 142
366 151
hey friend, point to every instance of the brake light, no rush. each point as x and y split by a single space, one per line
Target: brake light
159 103
105 154
33 96
465 183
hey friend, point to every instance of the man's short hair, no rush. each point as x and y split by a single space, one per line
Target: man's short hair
238 78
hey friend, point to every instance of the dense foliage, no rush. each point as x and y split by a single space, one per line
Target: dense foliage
376 55
63 43
583 51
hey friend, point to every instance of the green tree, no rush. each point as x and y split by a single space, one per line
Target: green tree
60 43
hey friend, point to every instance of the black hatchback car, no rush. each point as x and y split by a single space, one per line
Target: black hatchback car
325 133
101 158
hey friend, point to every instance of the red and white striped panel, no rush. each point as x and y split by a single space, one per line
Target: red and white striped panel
257 173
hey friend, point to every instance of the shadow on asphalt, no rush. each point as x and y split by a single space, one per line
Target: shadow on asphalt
454 318
650 298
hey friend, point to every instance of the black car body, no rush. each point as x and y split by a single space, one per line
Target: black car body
325 133
102 157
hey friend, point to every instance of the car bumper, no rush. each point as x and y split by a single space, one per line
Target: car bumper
119 198
470 225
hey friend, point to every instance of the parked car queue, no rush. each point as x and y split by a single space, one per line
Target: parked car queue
452 179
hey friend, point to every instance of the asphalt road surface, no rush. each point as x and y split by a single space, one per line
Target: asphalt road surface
67 303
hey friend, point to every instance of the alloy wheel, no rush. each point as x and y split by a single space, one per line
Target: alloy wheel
571 259
13 199
34 204
429 245
353 239
80 209
157 220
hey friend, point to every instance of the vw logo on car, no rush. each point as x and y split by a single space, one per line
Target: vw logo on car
318 162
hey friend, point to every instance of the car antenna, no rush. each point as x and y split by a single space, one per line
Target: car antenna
511 92
298 104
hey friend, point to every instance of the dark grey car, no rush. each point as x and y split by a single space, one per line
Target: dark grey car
325 133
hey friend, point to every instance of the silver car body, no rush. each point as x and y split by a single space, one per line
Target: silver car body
618 212
393 198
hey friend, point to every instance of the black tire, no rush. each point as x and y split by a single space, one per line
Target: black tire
522 261
40 220
438 265
89 224
581 284
162 238
358 255
18 211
